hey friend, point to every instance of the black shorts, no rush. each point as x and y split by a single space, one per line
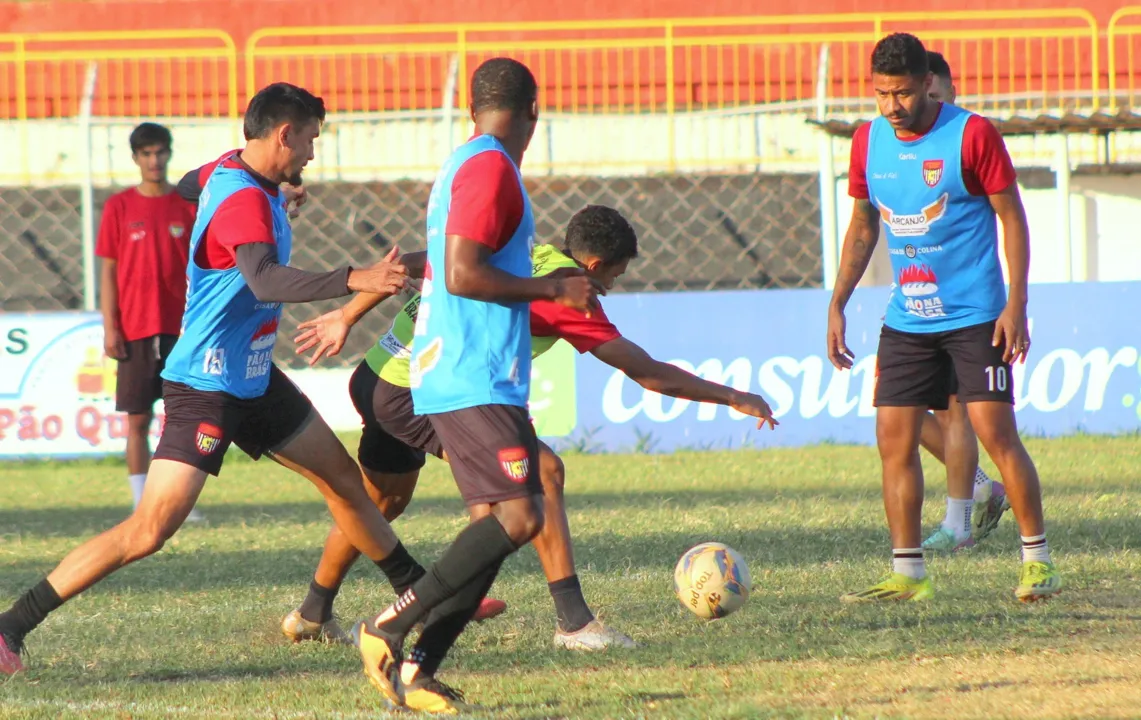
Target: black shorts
394 439
200 424
493 451
916 369
138 381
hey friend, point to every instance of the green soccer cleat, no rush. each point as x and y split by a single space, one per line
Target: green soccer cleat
1038 581
894 586
944 540
986 515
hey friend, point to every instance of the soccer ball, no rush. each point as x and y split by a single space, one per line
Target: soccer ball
712 580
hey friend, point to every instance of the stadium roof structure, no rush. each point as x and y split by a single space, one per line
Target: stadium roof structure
1096 123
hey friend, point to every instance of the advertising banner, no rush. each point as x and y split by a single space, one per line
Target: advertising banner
57 388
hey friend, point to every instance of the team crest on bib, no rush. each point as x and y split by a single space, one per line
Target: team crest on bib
932 172
516 463
207 438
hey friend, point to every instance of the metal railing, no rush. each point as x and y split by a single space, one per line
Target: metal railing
189 73
682 65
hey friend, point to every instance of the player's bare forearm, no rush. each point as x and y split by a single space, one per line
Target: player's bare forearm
469 274
1016 238
360 305
859 242
660 377
109 293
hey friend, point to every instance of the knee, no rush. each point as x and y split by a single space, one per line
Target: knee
523 521
1000 439
145 536
393 506
139 424
552 472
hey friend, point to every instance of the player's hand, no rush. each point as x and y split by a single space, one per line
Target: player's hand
326 333
295 197
113 344
838 352
386 278
1012 333
579 292
755 406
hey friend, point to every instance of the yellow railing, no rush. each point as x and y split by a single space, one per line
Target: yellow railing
1028 59
187 73
1124 27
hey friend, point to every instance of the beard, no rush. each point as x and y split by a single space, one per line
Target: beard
294 179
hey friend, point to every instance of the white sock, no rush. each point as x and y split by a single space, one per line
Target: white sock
909 562
958 517
982 486
1035 549
137 482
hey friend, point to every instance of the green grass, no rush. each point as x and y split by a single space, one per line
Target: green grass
193 631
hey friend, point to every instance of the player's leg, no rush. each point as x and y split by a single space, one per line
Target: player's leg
912 378
987 388
577 627
134 395
391 469
493 452
198 431
284 425
931 435
961 458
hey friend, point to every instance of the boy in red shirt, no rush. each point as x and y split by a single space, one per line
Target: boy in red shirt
144 240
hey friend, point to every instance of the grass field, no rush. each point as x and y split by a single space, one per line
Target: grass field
193 631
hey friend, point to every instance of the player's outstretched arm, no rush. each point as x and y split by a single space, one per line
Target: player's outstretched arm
666 379
859 242
328 333
470 274
1012 329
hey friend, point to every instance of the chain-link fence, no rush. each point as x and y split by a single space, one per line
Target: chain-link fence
710 232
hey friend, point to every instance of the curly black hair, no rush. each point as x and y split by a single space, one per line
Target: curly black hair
900 54
503 84
601 232
938 64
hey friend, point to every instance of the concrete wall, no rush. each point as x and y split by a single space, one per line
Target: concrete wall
359 148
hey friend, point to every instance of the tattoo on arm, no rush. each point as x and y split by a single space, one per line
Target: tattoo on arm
859 243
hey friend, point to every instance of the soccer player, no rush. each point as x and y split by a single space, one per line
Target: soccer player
144 243
394 442
471 369
936 176
948 435
221 385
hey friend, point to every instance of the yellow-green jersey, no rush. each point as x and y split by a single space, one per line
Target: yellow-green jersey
390 356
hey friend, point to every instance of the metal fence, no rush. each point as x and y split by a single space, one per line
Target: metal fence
695 233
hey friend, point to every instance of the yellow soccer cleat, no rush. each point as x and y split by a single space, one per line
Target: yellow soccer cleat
894 586
427 694
1038 581
298 629
381 662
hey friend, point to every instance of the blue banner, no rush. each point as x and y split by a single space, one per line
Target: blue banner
1082 374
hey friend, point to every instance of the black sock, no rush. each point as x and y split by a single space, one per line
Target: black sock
480 545
401 569
318 604
29 611
570 605
447 621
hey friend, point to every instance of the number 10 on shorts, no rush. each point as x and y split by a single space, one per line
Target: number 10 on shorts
996 378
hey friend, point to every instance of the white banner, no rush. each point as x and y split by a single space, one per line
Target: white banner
57 389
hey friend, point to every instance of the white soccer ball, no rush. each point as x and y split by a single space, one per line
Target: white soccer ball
712 580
